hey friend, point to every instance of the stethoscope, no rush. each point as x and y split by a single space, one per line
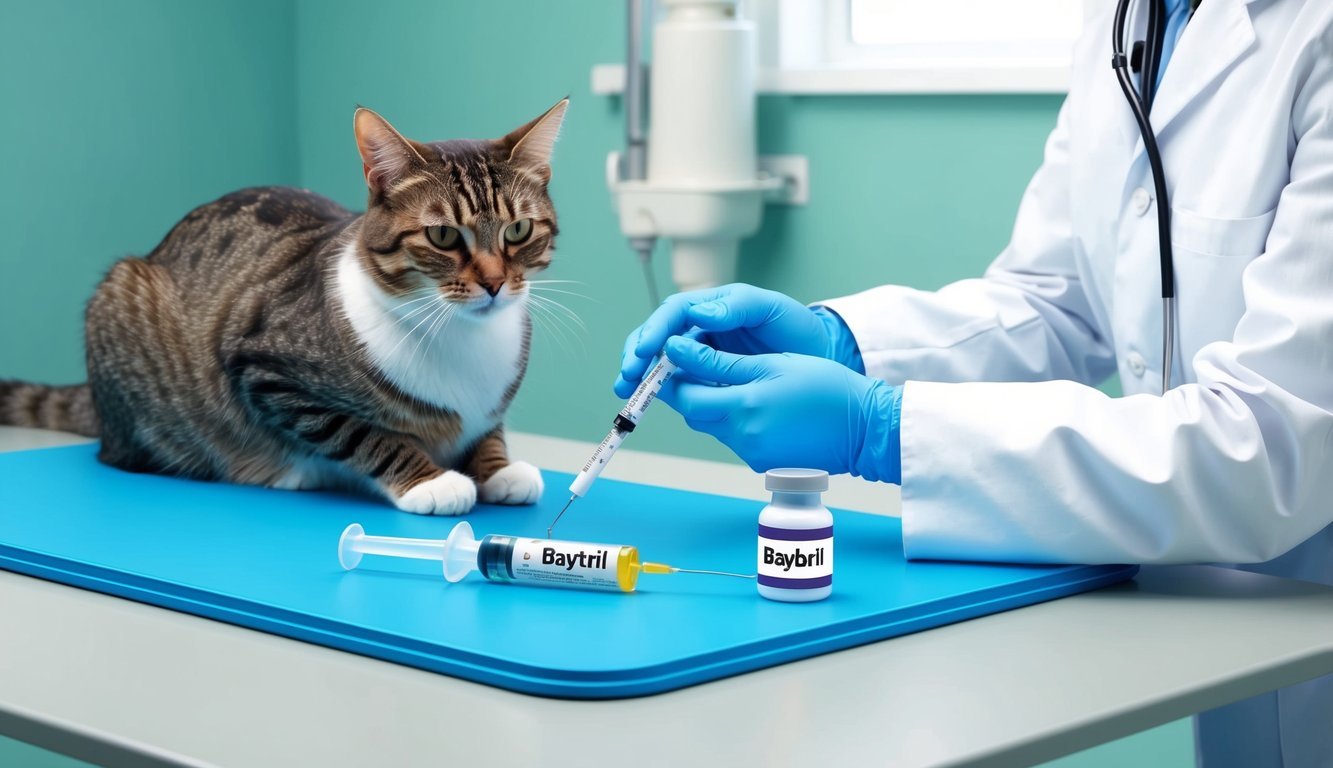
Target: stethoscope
1148 55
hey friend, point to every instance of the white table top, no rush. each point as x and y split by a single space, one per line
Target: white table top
121 683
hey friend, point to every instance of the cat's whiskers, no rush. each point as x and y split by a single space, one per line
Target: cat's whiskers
435 319
422 294
441 320
556 315
550 320
402 319
415 296
542 321
545 306
381 375
539 287
560 325
556 305
409 334
543 289
393 318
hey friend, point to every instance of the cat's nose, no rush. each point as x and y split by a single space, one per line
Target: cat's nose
492 285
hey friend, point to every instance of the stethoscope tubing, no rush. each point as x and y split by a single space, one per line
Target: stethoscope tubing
1140 107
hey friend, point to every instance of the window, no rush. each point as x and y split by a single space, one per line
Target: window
908 46
923 46
965 22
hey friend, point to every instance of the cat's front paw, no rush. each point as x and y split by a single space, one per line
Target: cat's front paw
452 493
518 483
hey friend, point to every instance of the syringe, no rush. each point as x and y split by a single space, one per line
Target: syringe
509 558
624 423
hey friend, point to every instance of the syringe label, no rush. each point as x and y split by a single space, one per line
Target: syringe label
795 559
647 392
567 563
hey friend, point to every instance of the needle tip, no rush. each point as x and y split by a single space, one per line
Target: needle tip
551 527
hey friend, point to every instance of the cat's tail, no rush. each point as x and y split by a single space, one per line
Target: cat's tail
69 409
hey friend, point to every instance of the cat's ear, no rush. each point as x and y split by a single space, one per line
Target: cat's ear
385 155
530 146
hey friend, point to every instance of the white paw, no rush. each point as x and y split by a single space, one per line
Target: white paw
518 483
452 493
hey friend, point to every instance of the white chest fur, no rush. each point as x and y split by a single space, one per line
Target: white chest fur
454 361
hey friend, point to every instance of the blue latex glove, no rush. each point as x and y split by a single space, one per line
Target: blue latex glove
842 344
788 410
736 318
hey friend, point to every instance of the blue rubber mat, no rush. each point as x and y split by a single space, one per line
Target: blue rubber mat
267 560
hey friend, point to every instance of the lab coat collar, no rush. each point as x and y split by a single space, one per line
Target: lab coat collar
1218 35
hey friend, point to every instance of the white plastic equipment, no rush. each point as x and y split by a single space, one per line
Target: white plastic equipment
703 189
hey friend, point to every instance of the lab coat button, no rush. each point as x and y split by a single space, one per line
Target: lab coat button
1141 200
1137 365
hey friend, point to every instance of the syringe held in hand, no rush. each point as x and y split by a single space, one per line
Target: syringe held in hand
623 424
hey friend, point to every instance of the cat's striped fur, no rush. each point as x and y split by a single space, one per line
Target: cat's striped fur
274 338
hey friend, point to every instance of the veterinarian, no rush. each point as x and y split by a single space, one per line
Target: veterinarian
1191 253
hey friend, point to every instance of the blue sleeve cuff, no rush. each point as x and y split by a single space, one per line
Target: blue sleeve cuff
880 458
842 344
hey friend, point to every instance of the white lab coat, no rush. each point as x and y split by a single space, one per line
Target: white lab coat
1235 463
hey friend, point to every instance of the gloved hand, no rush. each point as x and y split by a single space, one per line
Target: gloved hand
734 318
788 410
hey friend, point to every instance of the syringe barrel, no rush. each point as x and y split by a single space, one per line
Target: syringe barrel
624 423
555 563
393 546
647 391
597 462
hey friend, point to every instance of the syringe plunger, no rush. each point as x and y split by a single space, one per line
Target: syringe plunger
457 554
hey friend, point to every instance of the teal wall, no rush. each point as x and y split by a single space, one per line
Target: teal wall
128 114
131 113
117 118
16 754
920 190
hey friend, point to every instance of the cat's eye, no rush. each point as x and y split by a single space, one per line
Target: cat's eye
518 231
444 238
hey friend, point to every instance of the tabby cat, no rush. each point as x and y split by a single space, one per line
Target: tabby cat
275 338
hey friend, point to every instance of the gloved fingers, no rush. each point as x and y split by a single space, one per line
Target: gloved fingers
700 403
624 387
744 306
672 318
627 382
632 367
707 364
719 429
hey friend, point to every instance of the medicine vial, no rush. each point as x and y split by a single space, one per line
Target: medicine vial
796 537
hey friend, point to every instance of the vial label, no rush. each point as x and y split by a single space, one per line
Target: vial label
566 563
795 559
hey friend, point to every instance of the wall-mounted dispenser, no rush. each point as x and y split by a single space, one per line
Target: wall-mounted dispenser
696 177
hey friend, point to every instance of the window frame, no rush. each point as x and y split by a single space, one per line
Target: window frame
805 46
794 58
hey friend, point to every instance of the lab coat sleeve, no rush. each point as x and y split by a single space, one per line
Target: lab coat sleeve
1027 319
1235 467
